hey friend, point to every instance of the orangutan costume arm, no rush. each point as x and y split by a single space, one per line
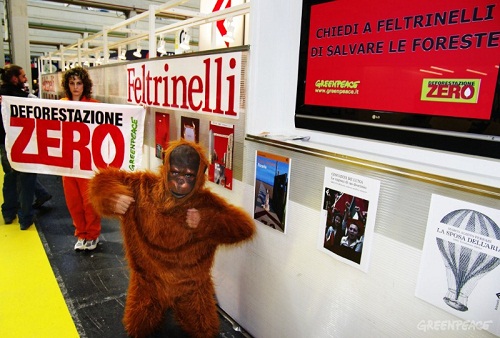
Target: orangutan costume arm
104 191
170 261
220 221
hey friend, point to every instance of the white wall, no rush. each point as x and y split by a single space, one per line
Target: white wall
280 285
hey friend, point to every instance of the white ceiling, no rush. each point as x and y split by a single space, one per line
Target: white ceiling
52 23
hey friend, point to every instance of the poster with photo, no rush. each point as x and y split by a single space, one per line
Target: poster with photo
190 129
162 133
220 153
348 215
459 268
272 173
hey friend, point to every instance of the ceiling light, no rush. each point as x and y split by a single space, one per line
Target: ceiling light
123 55
185 38
161 48
98 59
229 25
137 52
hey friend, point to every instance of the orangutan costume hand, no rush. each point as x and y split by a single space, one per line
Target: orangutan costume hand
171 226
122 202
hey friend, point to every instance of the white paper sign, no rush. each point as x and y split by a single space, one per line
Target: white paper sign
348 217
459 270
71 138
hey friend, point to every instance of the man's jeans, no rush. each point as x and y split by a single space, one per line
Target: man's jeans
18 192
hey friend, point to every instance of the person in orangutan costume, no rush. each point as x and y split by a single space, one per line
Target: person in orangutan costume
171 226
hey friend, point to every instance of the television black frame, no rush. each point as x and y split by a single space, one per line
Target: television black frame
394 127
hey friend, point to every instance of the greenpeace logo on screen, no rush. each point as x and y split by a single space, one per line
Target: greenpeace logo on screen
337 87
450 90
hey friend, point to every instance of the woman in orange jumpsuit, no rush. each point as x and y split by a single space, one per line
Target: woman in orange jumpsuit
78 87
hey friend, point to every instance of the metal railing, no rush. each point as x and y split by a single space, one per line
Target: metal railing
88 51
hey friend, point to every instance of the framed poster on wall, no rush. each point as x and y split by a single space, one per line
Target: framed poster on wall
419 73
190 129
220 153
162 133
347 224
272 178
459 269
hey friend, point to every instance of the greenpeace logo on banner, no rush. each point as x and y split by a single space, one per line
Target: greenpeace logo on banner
71 138
133 144
205 84
336 84
337 87
451 90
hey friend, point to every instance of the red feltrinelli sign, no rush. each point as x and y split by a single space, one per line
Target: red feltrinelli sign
208 84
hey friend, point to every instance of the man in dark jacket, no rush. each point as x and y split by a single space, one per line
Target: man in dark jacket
17 200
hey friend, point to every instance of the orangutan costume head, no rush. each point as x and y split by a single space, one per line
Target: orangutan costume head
184 169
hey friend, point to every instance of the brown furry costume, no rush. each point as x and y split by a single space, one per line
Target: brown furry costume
170 262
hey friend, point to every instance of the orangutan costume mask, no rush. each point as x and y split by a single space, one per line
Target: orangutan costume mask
171 225
184 164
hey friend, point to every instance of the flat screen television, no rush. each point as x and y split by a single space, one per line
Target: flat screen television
423 73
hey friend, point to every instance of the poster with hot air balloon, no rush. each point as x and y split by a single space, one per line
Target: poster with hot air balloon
459 270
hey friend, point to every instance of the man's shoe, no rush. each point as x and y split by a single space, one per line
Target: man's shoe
91 245
41 201
9 220
80 244
26 227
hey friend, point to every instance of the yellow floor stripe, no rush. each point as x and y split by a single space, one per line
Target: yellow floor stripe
31 303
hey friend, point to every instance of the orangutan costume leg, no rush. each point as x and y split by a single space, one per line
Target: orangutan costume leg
197 313
143 312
